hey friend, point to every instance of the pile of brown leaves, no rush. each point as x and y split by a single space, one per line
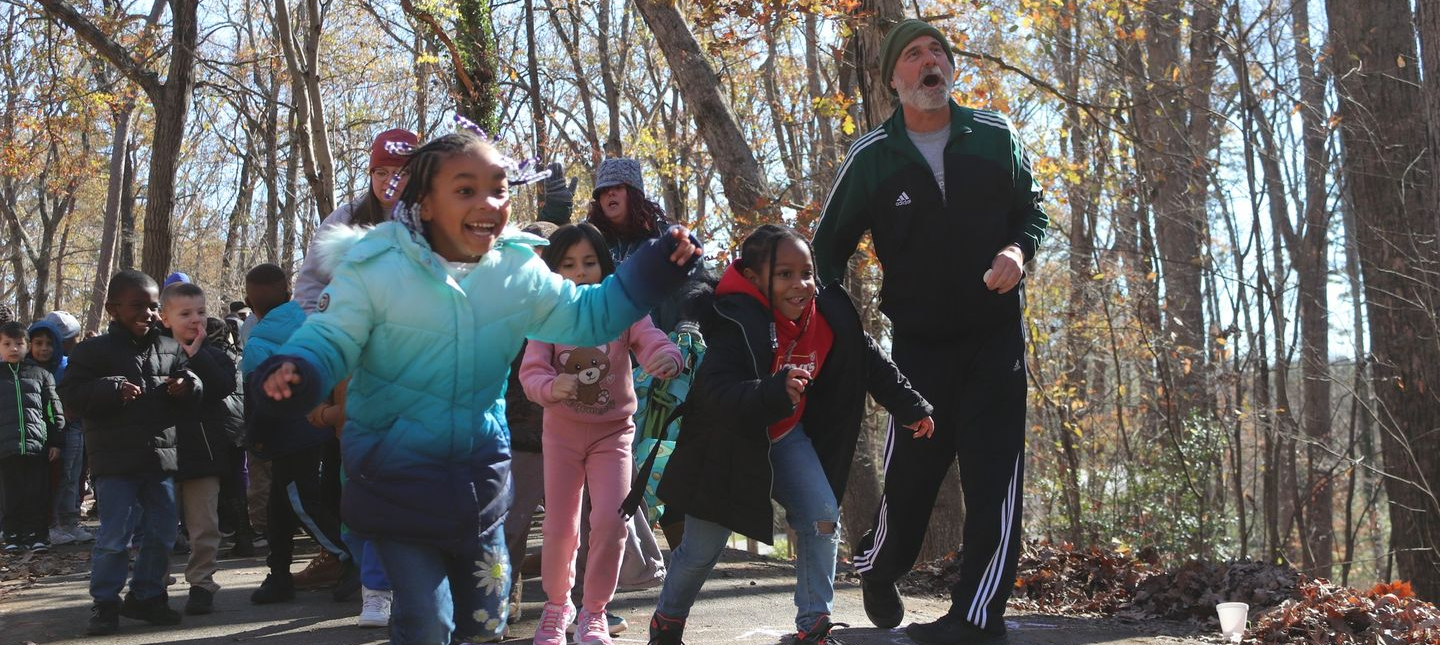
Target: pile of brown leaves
1193 590
1055 578
1387 614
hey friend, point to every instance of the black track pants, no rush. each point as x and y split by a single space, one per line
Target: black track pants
977 386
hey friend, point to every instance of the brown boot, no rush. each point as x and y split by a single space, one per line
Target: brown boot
324 571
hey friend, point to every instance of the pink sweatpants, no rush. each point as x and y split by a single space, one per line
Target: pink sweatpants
577 455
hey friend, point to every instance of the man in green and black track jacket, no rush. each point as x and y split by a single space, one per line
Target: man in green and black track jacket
953 210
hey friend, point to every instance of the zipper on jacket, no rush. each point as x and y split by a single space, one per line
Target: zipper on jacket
769 445
19 406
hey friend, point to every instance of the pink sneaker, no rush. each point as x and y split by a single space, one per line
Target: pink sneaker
553 619
592 629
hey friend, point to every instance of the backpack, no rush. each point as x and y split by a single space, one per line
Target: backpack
659 405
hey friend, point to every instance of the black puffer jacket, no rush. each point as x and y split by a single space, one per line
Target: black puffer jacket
202 444
720 470
30 414
138 437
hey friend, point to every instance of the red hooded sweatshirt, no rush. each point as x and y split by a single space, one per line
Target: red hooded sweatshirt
808 340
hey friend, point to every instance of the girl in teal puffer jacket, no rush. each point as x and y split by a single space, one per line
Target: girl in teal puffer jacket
425 312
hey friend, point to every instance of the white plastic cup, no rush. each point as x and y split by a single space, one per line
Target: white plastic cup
1233 616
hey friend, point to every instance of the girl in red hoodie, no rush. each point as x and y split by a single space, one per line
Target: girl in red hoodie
774 413
589 398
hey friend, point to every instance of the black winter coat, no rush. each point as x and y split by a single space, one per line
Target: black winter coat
201 443
138 437
31 417
229 414
720 470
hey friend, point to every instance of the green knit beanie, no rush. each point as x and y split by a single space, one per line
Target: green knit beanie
902 35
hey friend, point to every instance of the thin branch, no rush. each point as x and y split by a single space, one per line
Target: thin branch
114 52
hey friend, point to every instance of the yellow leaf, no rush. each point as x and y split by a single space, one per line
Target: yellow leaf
848 127
1400 61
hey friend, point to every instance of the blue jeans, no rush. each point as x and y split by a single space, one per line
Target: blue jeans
372 573
67 493
803 491
118 497
438 593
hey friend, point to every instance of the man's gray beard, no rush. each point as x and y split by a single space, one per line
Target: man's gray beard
924 98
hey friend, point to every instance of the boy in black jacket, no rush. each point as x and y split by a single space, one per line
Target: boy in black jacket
131 386
202 445
30 423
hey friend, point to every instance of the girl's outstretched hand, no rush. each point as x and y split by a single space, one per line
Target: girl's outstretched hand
684 248
924 428
662 367
277 385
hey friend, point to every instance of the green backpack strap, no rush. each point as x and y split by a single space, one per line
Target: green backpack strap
631 505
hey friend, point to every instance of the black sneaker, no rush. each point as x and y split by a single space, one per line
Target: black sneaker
666 631
950 630
201 601
155 611
349 583
243 548
278 587
104 619
819 633
40 546
883 604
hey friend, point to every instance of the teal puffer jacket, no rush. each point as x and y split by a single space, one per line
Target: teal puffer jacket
425 444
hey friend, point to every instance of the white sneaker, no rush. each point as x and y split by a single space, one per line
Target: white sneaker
374 608
80 534
59 536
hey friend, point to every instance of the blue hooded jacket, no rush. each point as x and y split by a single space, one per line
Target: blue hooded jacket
58 361
425 443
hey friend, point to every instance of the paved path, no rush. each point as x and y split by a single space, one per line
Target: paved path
746 602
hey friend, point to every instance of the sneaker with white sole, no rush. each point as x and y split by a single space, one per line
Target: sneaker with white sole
59 536
553 619
80 534
617 624
374 608
592 629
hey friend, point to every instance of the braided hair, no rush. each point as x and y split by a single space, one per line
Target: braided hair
764 242
571 234
426 160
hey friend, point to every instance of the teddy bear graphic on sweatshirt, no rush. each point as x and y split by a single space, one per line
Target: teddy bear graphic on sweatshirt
591 367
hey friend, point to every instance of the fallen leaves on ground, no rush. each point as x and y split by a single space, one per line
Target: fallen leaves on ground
21 570
1335 615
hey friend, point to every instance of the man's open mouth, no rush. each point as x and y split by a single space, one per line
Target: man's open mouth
931 80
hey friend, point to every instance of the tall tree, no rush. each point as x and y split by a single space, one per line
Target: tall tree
170 99
746 187
1386 170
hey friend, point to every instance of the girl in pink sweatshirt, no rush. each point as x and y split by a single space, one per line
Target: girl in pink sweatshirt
589 400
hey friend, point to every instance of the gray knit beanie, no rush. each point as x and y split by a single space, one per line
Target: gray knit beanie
614 172
899 37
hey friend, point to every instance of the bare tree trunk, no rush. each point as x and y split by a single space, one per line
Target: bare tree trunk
127 211
291 210
119 142
311 136
607 81
745 186
873 19
1386 167
537 102
824 153
244 197
1309 252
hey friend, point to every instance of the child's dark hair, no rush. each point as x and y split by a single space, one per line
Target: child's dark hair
181 290
267 275
123 282
427 159
13 329
369 212
759 248
643 218
571 234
